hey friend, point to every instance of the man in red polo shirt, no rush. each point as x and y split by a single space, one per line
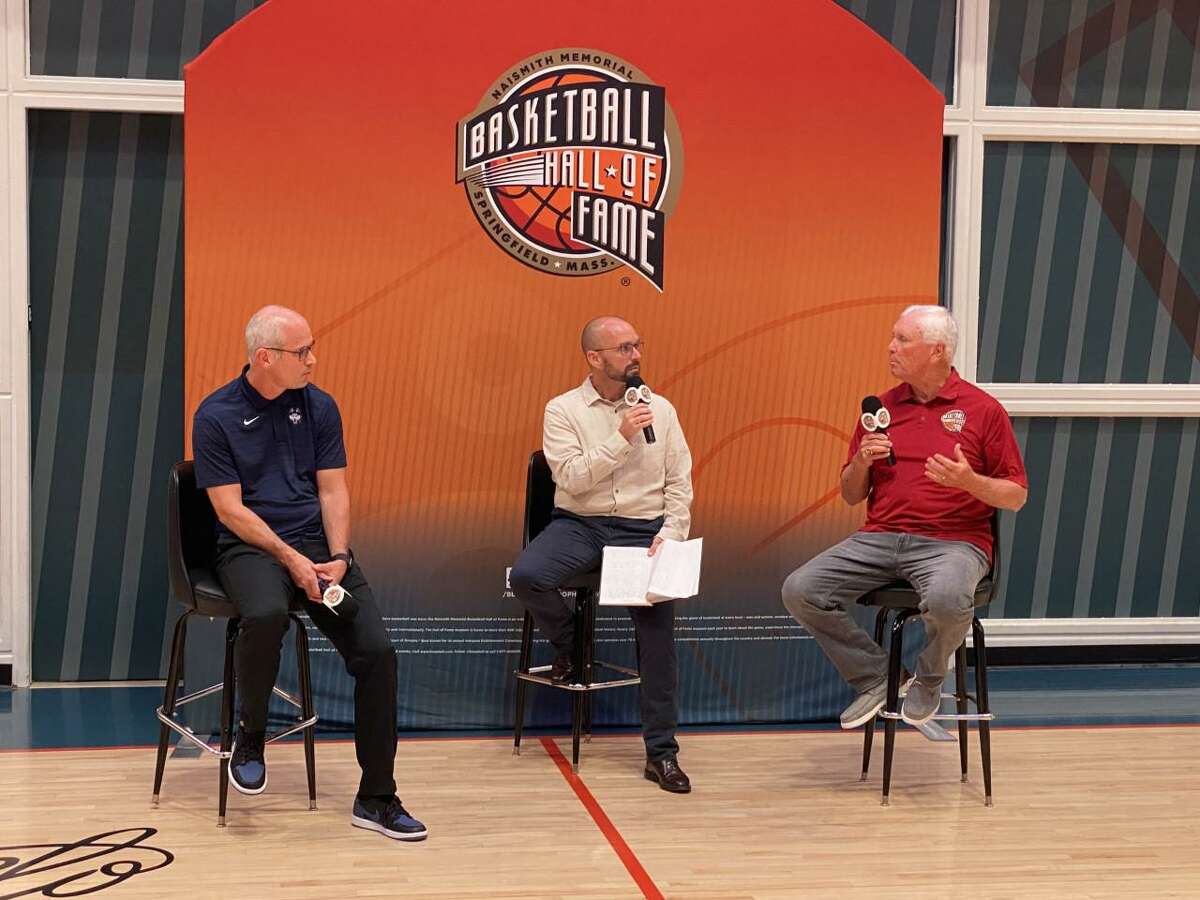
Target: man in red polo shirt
928 517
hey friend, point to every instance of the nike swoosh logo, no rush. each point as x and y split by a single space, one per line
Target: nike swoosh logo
251 421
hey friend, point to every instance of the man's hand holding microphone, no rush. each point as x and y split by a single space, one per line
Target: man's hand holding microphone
635 419
874 447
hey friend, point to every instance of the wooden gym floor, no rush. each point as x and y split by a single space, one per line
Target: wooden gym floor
1087 812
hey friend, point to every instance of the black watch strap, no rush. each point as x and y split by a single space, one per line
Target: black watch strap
346 557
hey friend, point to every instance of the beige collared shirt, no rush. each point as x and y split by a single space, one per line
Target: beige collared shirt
598 473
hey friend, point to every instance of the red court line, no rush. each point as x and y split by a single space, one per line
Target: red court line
639 875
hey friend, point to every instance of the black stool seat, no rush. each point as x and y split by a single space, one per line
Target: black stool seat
539 503
210 597
901 595
190 552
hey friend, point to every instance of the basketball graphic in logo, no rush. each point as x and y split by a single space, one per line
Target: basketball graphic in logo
954 420
572 163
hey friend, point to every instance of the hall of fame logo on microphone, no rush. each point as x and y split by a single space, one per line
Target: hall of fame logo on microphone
572 163
639 394
880 419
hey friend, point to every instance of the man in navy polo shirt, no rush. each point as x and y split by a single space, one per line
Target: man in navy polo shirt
928 517
268 448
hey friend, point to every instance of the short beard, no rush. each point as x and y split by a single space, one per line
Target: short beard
614 373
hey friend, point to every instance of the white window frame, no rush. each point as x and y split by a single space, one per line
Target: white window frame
974 123
968 119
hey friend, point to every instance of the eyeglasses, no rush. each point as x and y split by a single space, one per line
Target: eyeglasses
302 354
625 349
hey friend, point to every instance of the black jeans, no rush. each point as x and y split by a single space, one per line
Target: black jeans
572 544
262 589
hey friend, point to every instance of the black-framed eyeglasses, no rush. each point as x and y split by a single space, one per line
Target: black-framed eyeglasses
625 349
302 354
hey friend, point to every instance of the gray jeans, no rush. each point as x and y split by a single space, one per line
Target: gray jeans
944 573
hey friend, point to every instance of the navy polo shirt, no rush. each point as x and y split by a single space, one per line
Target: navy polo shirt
273 449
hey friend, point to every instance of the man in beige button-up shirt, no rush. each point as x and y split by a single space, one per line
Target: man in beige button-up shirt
613 488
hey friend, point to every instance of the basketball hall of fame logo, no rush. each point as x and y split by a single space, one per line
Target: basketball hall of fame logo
572 163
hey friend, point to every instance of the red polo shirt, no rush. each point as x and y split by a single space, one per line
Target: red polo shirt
903 499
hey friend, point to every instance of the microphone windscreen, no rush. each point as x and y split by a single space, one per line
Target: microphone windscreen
348 608
338 600
871 404
634 381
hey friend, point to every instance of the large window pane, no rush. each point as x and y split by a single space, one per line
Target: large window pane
106 386
125 38
1090 264
922 30
1112 521
1110 54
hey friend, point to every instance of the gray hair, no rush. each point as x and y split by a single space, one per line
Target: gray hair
265 328
936 324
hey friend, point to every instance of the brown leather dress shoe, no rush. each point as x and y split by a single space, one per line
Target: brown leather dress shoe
668 775
563 670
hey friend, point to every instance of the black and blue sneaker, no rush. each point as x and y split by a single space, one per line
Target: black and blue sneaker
247 768
387 816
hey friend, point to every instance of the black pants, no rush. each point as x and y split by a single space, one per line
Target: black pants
572 544
262 589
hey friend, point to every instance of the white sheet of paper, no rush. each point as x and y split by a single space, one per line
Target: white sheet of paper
628 577
676 572
625 576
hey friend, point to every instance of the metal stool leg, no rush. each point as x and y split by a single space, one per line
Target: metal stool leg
585 630
304 676
584 624
523 664
981 693
869 729
228 690
576 727
960 695
589 659
893 698
178 642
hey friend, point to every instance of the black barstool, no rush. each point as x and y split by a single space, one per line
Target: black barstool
901 599
539 504
190 552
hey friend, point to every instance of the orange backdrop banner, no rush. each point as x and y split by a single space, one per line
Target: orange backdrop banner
449 196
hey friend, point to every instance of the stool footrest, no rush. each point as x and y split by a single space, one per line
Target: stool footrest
946 717
533 677
299 725
187 733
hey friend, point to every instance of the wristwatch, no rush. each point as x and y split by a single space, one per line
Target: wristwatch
347 558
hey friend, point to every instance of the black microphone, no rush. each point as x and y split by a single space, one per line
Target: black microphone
876 418
637 391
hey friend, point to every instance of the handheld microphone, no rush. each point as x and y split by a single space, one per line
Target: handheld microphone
338 600
637 391
875 417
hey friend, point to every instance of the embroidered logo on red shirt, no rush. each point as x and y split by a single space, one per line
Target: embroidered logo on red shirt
954 420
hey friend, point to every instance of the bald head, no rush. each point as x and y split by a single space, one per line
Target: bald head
271 327
599 332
